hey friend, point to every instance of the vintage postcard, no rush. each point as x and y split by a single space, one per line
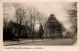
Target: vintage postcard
40 25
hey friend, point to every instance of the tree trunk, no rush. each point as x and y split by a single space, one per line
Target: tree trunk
33 33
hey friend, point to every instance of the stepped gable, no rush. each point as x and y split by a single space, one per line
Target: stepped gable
52 21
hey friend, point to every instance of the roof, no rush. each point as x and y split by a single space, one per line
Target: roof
16 26
52 20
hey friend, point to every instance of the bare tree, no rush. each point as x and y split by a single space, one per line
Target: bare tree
42 20
33 16
5 14
73 16
20 15
5 23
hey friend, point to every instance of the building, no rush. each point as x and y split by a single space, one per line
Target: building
53 28
25 30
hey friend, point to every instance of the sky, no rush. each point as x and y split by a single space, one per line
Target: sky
57 8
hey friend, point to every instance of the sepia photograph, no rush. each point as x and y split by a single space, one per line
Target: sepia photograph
40 23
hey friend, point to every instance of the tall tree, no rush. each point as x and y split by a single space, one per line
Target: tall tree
34 15
72 11
41 31
20 15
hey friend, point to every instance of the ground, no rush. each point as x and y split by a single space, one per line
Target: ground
48 42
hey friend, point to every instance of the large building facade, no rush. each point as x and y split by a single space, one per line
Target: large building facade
53 28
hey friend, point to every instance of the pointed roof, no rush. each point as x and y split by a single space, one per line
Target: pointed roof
52 18
52 21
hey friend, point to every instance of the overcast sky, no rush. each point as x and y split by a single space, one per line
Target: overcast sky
57 8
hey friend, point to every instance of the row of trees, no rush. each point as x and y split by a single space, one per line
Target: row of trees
26 16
